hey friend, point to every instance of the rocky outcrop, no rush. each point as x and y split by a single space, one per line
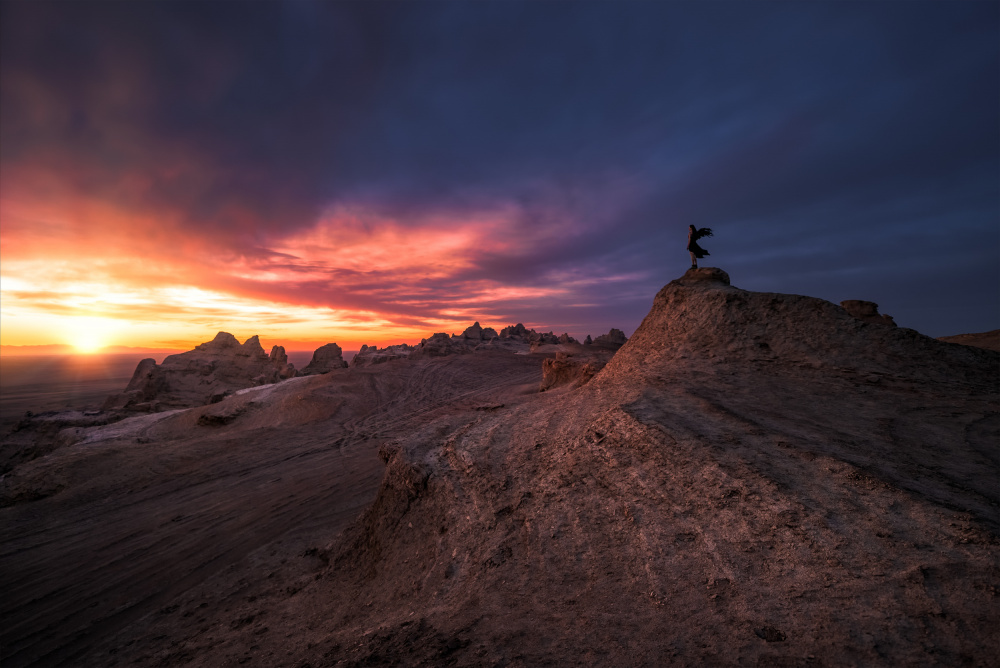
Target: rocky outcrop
280 359
740 453
702 316
567 369
614 339
325 359
478 333
518 332
867 311
438 345
546 337
567 339
371 355
206 374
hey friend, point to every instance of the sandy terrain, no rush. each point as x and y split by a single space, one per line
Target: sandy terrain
754 479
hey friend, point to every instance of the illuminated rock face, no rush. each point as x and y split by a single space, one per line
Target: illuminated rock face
740 450
206 374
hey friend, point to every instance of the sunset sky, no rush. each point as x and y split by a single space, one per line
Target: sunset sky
376 172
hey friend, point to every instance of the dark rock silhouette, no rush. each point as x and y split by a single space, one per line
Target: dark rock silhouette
518 331
867 311
438 345
613 339
478 333
325 359
371 355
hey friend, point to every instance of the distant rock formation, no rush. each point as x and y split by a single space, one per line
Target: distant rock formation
438 345
326 358
371 355
477 333
206 374
613 339
518 331
867 311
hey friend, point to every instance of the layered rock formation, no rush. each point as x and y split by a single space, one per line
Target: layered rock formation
325 359
204 375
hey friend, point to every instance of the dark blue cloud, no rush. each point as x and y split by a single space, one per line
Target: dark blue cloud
847 150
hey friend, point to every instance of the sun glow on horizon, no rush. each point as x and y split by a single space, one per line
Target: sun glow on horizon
89 335
354 277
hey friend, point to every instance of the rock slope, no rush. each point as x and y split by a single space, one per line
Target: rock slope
753 479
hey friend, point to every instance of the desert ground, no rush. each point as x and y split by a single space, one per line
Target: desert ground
754 479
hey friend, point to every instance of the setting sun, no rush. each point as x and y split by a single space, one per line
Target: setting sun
88 335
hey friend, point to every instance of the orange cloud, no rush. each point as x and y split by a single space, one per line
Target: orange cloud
354 277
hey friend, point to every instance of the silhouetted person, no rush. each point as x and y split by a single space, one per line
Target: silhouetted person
697 252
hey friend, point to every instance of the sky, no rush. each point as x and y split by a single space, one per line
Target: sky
376 172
